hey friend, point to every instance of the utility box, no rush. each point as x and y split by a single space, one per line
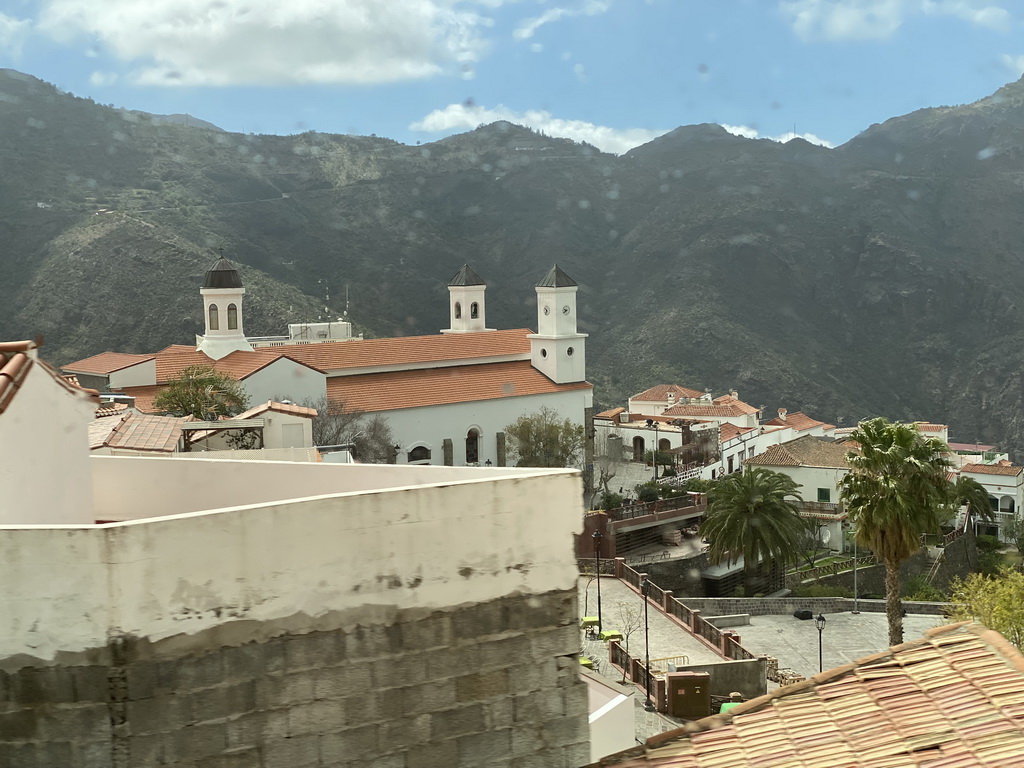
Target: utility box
689 694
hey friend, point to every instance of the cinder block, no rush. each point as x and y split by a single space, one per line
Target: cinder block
190 672
250 729
33 686
442 663
77 721
491 748
421 699
405 733
282 690
526 740
349 745
144 750
162 714
96 754
90 683
198 741
363 709
502 652
438 754
295 752
223 701
482 685
555 641
540 611
538 707
316 717
19 755
533 676
372 642
401 671
343 680
434 631
575 701
313 650
480 620
240 758
19 725
561 731
246 662
451 723
275 724
498 713
575 755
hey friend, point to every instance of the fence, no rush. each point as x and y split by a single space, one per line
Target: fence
830 569
642 508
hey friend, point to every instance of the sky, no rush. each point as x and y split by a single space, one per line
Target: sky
614 73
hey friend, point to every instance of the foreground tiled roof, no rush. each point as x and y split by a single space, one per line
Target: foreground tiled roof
409 350
106 362
110 409
442 386
136 432
992 469
659 393
806 451
952 699
16 359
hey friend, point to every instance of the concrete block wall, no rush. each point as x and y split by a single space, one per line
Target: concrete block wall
494 684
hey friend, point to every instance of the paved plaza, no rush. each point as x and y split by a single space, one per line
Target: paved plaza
793 642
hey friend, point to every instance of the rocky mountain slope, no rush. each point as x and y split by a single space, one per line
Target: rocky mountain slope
881 277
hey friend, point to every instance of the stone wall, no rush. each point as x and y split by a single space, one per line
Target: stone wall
747 676
781 606
493 684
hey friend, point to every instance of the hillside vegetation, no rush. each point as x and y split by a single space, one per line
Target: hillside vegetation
881 277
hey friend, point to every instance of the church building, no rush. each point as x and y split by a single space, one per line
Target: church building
447 398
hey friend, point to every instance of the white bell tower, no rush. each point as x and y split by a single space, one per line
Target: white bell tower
557 350
222 293
466 302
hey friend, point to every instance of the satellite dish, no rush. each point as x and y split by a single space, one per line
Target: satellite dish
826 534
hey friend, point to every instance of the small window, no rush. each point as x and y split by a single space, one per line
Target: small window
474 311
543 353
458 311
214 318
419 453
569 351
232 317
825 495
472 447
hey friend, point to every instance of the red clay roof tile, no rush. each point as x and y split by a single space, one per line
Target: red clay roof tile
106 362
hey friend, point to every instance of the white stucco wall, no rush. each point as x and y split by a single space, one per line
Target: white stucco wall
612 727
429 426
44 454
138 375
476 535
285 379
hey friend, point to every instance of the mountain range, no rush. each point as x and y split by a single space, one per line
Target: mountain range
881 277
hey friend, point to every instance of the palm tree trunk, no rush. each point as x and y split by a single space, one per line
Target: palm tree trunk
893 604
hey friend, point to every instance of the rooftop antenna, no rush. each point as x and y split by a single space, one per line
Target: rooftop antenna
344 315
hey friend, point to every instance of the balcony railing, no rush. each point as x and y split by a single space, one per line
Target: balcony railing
821 510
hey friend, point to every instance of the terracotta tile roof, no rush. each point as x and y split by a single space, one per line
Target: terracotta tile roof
71 379
16 359
807 451
442 386
408 350
799 422
136 432
144 396
952 698
609 414
110 409
992 469
925 426
270 405
971 447
106 362
659 393
239 364
727 431
724 406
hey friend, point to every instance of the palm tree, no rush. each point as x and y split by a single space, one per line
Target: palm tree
897 488
752 514
969 493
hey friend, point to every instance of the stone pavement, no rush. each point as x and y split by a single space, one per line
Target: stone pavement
846 637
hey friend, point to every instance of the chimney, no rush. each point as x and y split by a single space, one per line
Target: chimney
734 393
782 413
671 398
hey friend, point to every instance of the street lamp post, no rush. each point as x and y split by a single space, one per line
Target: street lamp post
654 450
819 622
856 606
645 589
597 536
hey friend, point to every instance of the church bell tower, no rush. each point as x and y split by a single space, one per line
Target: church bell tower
557 350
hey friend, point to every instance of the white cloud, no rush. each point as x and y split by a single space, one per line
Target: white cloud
461 116
528 27
103 78
270 42
12 34
878 19
752 133
1014 63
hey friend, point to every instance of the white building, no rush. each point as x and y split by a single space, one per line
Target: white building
447 398
1005 485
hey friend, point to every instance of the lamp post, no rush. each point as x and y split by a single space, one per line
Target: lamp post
597 536
856 605
654 450
645 589
819 622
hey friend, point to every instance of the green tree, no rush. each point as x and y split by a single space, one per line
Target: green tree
970 493
897 488
369 435
203 392
544 439
996 601
753 514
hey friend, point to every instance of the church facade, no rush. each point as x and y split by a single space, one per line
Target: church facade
447 398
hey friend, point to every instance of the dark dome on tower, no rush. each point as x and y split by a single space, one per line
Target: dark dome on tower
222 275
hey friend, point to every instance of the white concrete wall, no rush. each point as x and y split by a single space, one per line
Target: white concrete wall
139 375
476 535
285 379
612 727
412 427
44 454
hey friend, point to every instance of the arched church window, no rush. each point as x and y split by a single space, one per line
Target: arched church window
214 318
419 453
458 310
232 317
472 447
474 310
